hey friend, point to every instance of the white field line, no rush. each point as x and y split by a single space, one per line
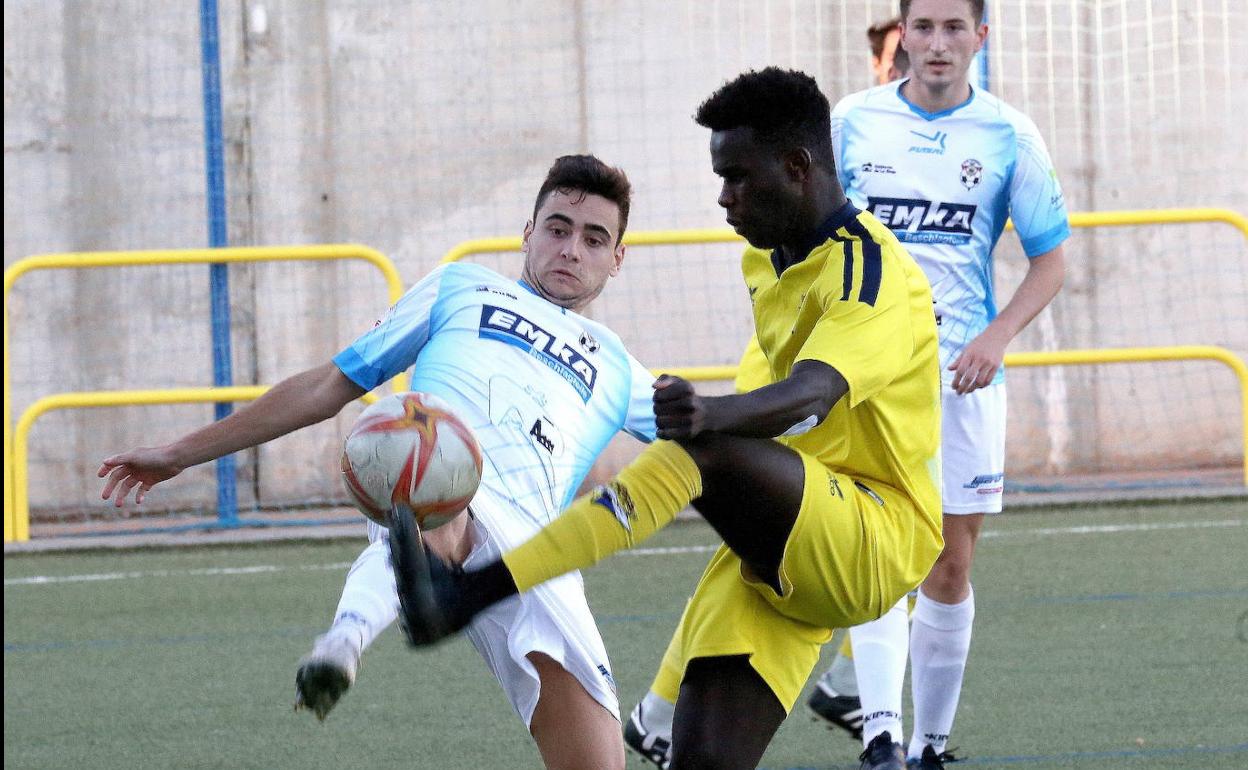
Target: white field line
269 568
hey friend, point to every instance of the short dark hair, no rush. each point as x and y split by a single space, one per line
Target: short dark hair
589 176
877 33
784 107
977 9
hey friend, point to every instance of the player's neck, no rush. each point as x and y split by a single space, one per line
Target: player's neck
939 98
810 235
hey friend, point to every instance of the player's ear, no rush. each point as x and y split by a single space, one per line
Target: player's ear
981 34
618 259
524 241
797 164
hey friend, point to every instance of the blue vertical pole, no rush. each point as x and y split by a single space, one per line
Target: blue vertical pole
218 235
983 58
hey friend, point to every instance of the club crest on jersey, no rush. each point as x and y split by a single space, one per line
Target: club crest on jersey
914 220
588 343
972 172
615 498
514 329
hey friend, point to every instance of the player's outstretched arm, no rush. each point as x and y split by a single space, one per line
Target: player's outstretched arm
304 399
977 364
793 405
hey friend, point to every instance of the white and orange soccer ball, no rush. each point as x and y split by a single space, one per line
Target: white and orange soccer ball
411 448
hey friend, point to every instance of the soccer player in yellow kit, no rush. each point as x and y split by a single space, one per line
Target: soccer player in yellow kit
824 484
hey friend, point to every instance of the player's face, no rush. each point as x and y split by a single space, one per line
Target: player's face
572 247
760 197
941 37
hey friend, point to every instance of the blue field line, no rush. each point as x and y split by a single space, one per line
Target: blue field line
1178 751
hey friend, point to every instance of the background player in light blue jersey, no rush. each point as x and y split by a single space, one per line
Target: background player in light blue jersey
544 389
944 165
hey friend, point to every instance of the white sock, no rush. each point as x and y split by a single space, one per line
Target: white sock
939 642
655 714
840 677
369 600
880 663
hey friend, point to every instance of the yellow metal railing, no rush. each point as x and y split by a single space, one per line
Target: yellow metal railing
693 373
90 399
81 260
637 238
1139 355
726 235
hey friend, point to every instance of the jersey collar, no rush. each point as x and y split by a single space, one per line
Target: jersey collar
841 217
525 285
922 113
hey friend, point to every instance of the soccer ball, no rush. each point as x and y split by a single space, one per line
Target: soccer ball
411 448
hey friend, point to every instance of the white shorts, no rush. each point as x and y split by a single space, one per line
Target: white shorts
972 448
552 618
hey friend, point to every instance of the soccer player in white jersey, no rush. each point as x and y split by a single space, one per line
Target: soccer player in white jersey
943 165
544 389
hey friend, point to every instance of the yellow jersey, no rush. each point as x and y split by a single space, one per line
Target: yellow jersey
860 304
753 371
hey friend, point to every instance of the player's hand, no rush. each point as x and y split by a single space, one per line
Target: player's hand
978 362
679 412
142 468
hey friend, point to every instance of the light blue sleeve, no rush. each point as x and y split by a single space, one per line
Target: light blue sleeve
838 137
639 422
393 344
1036 203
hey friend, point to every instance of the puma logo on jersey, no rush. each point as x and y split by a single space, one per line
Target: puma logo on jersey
937 139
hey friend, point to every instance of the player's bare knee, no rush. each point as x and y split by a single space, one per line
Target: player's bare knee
949 581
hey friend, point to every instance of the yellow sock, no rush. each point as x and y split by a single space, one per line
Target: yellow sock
642 499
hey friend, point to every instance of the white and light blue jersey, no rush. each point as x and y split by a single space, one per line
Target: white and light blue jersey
543 389
945 183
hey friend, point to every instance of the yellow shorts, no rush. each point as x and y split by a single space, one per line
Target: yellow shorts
853 552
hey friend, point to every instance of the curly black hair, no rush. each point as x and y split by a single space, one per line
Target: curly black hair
785 108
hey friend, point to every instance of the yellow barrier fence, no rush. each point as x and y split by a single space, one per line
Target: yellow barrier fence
89 399
20 487
636 238
97 259
725 235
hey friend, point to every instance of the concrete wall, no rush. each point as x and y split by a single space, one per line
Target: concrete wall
413 126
